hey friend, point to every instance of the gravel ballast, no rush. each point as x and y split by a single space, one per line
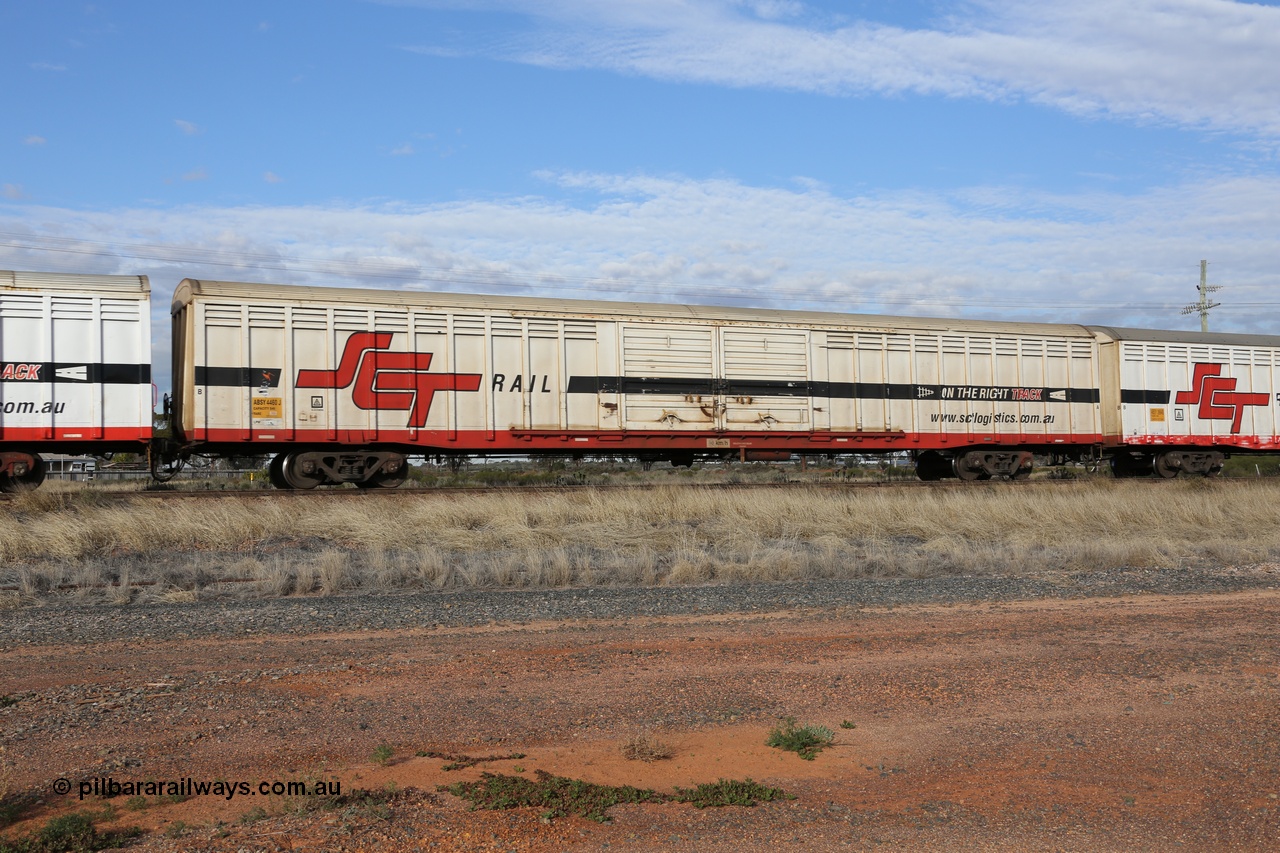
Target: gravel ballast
68 621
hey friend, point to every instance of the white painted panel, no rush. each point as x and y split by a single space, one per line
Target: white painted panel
543 391
584 411
766 373
671 371
873 412
508 387
73 349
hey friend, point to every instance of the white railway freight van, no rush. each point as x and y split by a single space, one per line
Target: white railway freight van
311 372
75 369
1180 401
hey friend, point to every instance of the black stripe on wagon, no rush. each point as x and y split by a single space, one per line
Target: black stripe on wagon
238 377
1144 398
828 390
639 385
768 388
1006 393
80 373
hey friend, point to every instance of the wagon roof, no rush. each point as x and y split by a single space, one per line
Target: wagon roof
1202 338
191 289
115 284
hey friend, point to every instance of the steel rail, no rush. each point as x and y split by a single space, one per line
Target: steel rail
344 493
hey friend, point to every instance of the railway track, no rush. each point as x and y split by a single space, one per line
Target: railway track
344 493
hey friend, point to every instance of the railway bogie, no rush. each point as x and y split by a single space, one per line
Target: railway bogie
975 464
367 469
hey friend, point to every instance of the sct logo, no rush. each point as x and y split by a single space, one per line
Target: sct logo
395 381
1217 396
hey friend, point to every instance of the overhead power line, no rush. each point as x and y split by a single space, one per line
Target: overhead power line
588 286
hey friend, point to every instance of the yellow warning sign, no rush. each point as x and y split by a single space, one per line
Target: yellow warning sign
1157 415
267 407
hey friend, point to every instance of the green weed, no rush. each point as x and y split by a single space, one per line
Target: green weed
73 832
557 796
726 792
461 762
804 741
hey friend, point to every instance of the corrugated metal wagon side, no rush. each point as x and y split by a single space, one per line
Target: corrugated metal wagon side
343 384
340 384
75 369
982 397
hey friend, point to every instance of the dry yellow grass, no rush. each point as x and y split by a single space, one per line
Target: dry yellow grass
678 535
646 748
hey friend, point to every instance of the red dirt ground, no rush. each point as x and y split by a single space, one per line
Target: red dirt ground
1146 723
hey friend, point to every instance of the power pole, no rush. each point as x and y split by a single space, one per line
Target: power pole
1203 306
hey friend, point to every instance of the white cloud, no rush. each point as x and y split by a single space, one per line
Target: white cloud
188 127
1199 63
402 150
197 174
13 192
48 66
34 140
272 178
1097 257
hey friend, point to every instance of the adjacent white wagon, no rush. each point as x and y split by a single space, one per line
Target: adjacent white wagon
1179 401
75 369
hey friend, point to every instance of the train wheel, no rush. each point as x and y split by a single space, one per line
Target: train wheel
275 472
1022 464
932 466
383 481
33 478
295 478
1164 467
970 467
682 460
394 481
1124 465
25 482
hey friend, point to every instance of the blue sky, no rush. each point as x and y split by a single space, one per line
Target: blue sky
996 160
